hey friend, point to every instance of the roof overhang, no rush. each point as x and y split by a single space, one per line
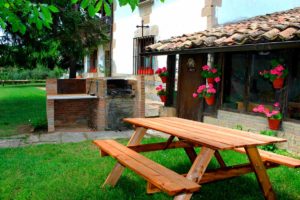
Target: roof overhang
245 47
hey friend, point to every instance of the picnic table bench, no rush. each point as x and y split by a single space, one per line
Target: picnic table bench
212 139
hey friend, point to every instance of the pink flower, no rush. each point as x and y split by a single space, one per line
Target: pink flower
279 68
158 88
255 109
276 104
260 108
158 71
217 79
274 72
211 90
210 85
205 67
274 112
214 70
268 114
164 69
195 95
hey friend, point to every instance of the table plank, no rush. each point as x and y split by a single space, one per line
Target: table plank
230 131
205 134
198 139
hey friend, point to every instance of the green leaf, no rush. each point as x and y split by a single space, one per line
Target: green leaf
22 29
46 13
74 1
39 24
53 9
107 9
98 6
91 11
84 4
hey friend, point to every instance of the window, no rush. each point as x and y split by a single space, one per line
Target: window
293 106
142 62
244 88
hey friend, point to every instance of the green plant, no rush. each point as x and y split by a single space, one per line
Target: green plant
161 91
210 72
269 147
238 127
270 113
39 123
277 71
205 91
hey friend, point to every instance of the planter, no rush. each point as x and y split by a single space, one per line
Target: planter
163 79
210 100
163 98
274 124
210 80
278 83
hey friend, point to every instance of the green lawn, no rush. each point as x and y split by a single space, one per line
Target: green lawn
21 105
76 171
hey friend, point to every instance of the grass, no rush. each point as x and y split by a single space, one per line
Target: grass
76 171
20 105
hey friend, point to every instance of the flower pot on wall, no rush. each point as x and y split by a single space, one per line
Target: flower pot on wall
163 79
210 100
210 80
278 83
274 124
163 98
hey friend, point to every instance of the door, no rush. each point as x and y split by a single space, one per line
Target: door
188 81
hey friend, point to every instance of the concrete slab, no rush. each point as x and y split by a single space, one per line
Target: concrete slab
72 137
50 138
10 143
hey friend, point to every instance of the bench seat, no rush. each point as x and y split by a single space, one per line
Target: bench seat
275 158
158 175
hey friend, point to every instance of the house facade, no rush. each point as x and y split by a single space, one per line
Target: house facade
241 50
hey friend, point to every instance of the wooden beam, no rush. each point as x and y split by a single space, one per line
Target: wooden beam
221 174
117 171
220 159
171 66
197 170
260 172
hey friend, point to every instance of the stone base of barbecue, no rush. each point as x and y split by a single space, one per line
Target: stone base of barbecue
94 104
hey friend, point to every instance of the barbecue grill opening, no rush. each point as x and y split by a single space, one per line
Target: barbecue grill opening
119 87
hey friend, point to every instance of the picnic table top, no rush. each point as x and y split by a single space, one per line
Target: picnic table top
212 136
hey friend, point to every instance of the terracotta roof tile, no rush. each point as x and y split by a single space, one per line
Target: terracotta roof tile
279 26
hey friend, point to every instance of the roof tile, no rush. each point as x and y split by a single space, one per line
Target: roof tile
278 26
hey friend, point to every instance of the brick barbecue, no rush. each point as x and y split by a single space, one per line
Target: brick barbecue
93 104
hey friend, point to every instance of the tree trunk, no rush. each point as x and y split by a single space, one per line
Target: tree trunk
72 73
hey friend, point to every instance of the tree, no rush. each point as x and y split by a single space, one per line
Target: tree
40 14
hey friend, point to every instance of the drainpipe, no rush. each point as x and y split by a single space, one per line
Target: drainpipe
210 61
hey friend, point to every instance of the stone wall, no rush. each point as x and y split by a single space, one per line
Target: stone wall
252 123
101 113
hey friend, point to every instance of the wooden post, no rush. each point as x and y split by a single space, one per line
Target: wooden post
116 173
260 172
197 170
171 66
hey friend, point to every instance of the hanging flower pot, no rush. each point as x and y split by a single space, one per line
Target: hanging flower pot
163 79
274 123
278 83
210 80
163 98
210 100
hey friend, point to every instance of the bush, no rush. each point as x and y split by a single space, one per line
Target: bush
39 123
269 147
39 73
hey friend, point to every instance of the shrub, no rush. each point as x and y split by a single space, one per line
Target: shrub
39 123
269 147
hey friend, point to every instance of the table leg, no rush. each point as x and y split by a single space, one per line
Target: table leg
197 170
260 172
115 174
190 151
220 159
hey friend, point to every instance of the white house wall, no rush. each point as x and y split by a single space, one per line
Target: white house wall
236 10
174 17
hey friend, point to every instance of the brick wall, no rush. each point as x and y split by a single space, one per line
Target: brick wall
71 113
51 86
290 130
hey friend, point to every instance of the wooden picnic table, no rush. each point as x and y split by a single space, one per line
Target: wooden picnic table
190 134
